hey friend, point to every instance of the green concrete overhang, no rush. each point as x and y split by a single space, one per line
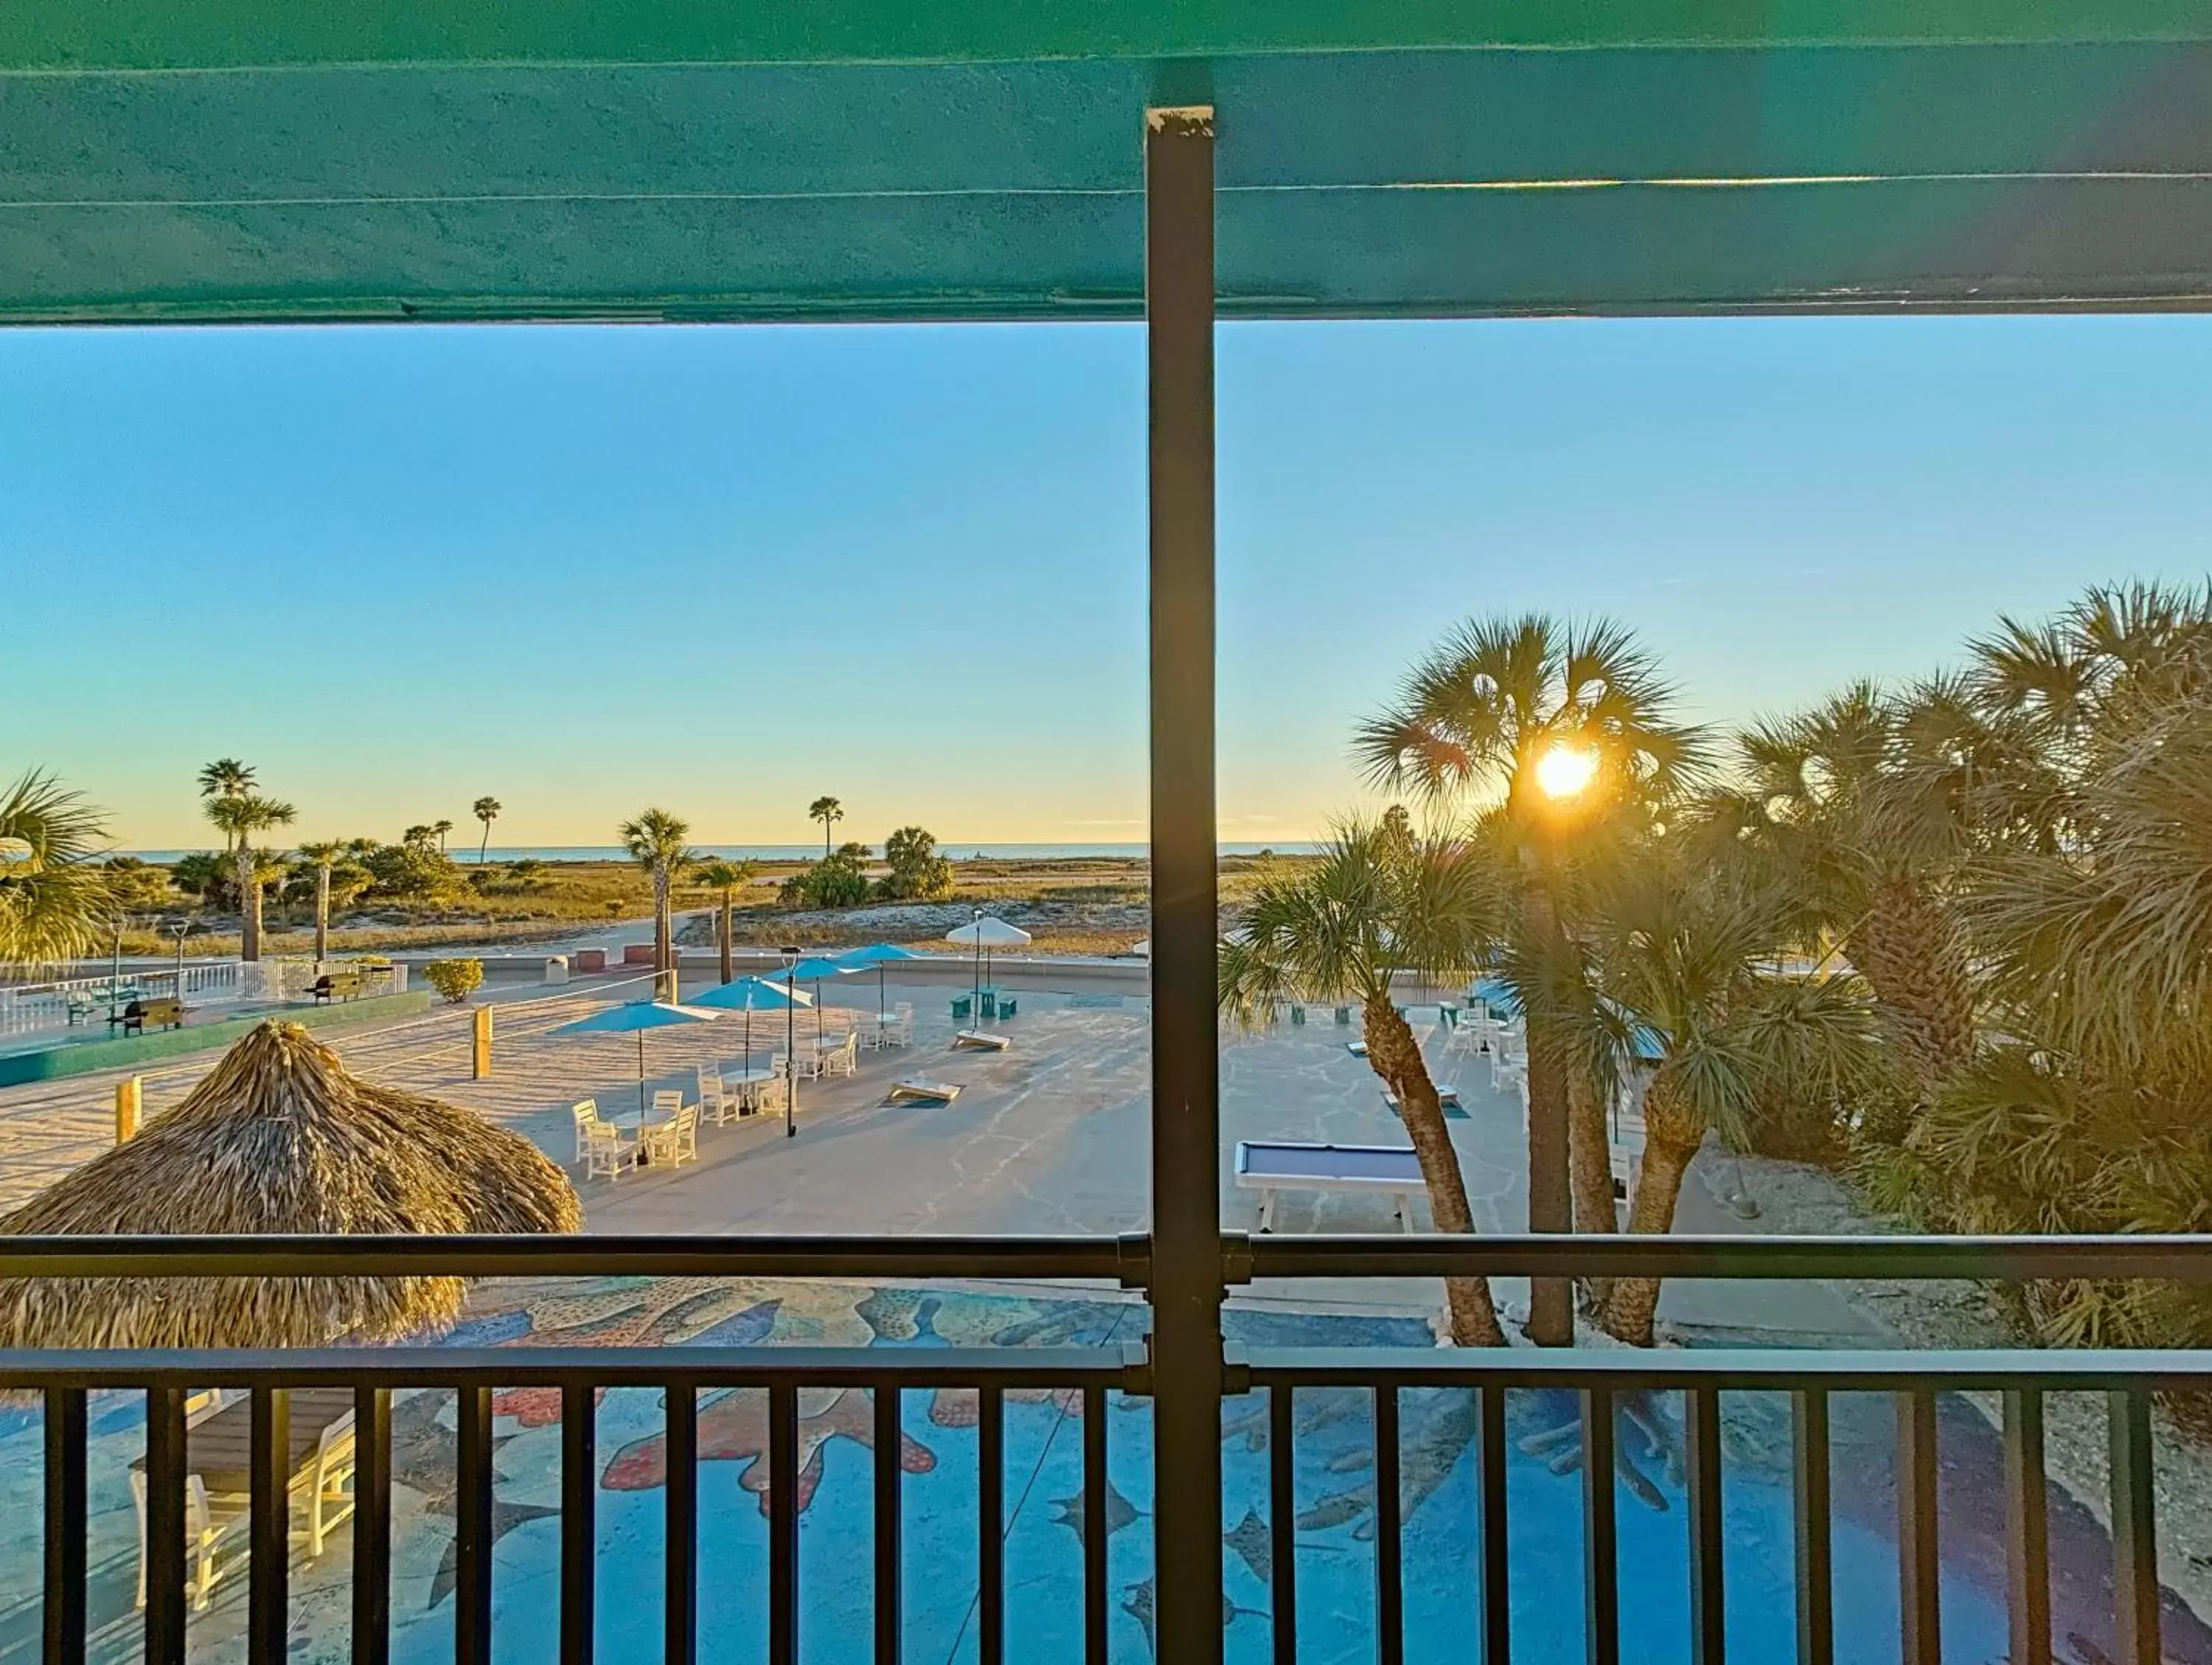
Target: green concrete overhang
280 160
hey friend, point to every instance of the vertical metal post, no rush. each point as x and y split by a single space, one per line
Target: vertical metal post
2027 1529
2134 1529
1185 1257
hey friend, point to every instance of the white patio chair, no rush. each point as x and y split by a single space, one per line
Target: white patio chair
586 1111
770 1095
675 1141
667 1103
717 1104
899 1031
844 1058
607 1154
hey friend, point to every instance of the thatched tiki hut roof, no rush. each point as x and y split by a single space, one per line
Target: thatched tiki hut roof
279 1138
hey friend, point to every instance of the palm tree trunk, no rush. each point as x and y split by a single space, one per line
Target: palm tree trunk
249 906
1550 1192
485 846
1908 950
1395 1056
660 920
1671 1139
728 975
1590 1156
322 915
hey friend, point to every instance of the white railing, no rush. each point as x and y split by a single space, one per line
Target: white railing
66 1000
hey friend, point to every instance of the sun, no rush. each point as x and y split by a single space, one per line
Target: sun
1565 770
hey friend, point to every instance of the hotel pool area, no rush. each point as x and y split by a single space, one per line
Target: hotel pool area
1333 1498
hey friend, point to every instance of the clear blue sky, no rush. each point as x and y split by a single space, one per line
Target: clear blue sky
727 570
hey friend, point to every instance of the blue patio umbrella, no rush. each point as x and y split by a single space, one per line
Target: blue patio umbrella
817 970
637 1016
749 995
878 954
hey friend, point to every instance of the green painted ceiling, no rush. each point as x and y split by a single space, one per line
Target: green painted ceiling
249 159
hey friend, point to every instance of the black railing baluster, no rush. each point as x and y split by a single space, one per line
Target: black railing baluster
1095 1487
2135 1527
1282 1522
372 1526
680 1544
1601 1549
990 1526
269 1528
1389 1563
1814 1528
472 1498
65 1527
890 1436
1919 1560
579 1447
1701 1453
1495 1592
783 1523
165 1526
2027 1529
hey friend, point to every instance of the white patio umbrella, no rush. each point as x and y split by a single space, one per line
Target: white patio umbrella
983 933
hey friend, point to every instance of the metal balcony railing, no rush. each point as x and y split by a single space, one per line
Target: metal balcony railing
1600 1380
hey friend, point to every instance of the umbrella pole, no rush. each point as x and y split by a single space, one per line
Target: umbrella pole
640 1078
879 993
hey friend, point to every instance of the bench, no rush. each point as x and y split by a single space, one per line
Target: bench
218 1482
335 986
101 997
963 1006
166 1012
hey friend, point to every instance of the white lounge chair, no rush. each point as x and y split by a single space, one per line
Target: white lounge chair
218 1465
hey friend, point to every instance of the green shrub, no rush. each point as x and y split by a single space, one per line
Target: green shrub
414 871
918 873
455 979
835 881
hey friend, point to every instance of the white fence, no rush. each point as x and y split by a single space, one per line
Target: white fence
68 1000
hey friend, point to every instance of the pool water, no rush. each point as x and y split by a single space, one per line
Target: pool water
1333 1497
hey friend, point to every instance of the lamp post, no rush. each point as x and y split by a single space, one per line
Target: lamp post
975 997
180 928
790 1042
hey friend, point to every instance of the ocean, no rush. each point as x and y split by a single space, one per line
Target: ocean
959 852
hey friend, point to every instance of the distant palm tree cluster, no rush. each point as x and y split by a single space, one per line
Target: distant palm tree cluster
1954 935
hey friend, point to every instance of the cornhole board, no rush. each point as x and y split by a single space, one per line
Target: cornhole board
913 1089
1447 1097
982 1038
1270 1169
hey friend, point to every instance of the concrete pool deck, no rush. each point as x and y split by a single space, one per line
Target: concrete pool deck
1051 1135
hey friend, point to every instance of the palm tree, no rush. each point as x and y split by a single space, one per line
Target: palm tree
655 842
54 902
226 777
826 811
241 817
441 828
726 878
485 810
1335 931
1562 728
325 856
1685 949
